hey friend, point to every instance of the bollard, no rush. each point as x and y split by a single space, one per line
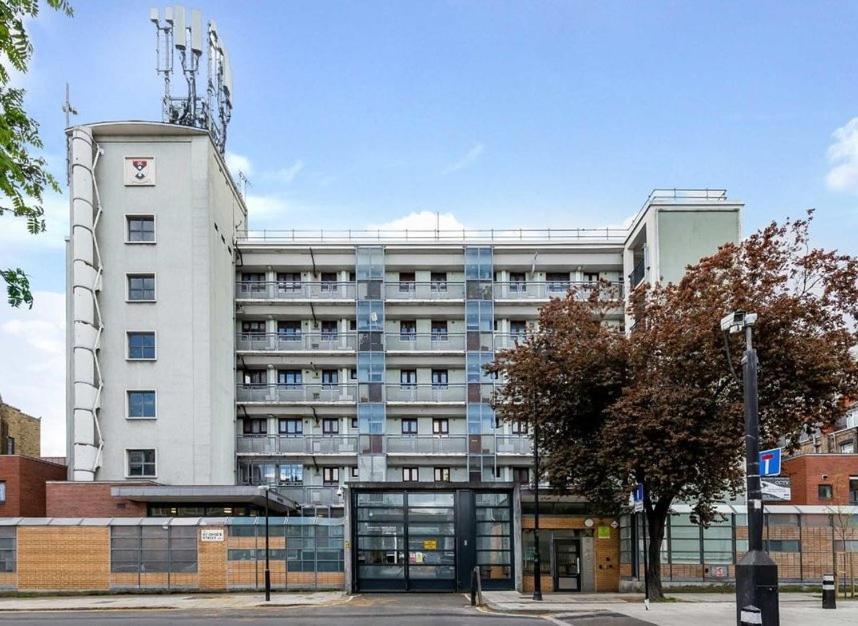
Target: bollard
829 593
750 616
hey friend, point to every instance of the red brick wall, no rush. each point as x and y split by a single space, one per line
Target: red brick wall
89 499
25 479
806 474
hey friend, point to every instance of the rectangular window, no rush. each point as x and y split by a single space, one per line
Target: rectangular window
408 378
141 287
440 426
517 282
291 474
521 475
330 426
408 330
10 445
8 546
253 327
558 282
141 404
291 426
847 447
439 378
255 426
141 463
330 329
354 423
289 378
782 545
141 228
825 492
2 491
518 328
153 549
409 425
330 378
289 330
519 428
439 330
329 282
853 491
442 474
288 282
330 475
410 474
354 472
255 377
141 345
591 277
406 281
438 281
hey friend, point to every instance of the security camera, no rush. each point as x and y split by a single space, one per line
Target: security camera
737 321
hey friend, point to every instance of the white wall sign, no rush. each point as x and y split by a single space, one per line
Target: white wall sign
212 534
139 171
775 488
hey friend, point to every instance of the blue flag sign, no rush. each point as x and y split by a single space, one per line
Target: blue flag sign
770 462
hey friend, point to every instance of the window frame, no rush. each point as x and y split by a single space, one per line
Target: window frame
128 415
128 334
442 470
330 476
129 276
286 420
408 431
438 421
154 463
246 423
411 470
819 489
131 216
408 384
327 422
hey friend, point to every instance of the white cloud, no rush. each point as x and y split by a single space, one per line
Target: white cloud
843 156
467 160
15 236
34 378
238 163
288 174
264 207
422 220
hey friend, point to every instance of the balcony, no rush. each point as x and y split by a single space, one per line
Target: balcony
312 494
426 444
513 444
540 290
298 393
300 342
297 444
412 290
425 342
287 290
451 393
503 341
638 273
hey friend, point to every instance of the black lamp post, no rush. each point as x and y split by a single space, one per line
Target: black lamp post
266 488
537 561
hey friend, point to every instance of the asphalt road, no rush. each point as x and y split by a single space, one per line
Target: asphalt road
365 610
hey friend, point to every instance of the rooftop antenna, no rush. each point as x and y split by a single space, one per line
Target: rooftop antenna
244 182
175 34
68 109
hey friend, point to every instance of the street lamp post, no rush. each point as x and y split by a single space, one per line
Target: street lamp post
756 572
537 560
267 488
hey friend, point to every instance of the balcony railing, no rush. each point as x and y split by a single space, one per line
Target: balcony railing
312 494
435 290
638 273
425 342
426 444
503 341
542 290
296 444
288 342
294 290
425 393
286 393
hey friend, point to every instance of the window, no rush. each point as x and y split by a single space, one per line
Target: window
352 324
847 447
440 426
517 282
141 404
329 282
439 378
410 474
153 549
409 425
255 377
330 426
141 345
288 282
408 378
853 490
354 423
141 287
591 277
255 426
353 374
521 475
10 445
329 329
8 541
330 378
330 475
141 228
290 426
253 327
289 330
825 492
291 474
141 463
439 330
289 378
408 330
781 545
2 493
438 281
442 474
519 428
518 328
558 282
406 281
354 472
840 545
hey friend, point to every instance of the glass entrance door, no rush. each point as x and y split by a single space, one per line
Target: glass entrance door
431 541
567 560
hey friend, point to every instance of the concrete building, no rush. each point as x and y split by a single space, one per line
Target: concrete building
19 433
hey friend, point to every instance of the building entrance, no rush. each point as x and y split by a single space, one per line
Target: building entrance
567 560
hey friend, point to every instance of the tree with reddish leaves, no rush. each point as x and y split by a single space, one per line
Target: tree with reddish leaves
661 405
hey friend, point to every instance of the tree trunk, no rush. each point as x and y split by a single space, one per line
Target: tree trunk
656 517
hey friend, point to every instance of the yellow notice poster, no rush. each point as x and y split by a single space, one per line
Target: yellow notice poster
430 544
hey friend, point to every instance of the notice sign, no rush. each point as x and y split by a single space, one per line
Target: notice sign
775 488
603 532
430 544
139 171
211 534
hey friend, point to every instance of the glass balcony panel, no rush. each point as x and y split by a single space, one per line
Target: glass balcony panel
294 290
425 393
285 393
437 290
425 342
426 444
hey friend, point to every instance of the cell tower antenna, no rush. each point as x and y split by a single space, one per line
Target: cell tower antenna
68 109
244 182
175 34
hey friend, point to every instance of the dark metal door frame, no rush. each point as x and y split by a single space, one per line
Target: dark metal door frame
558 544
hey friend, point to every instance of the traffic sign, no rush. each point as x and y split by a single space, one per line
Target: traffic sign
638 498
770 462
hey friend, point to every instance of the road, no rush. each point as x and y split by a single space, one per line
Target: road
369 610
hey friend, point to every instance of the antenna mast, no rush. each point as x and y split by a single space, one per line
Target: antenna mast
68 109
212 110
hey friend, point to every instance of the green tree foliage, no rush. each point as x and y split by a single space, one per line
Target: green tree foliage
24 178
660 405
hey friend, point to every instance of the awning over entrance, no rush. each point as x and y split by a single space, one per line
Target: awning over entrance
193 494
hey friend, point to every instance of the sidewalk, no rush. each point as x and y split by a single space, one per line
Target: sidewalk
189 601
711 609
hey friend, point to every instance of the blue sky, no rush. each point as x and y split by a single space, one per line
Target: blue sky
502 114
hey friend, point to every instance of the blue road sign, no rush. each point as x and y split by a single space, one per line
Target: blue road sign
638 497
770 462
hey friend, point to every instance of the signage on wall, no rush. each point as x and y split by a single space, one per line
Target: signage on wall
211 534
430 544
139 171
603 532
775 488
718 571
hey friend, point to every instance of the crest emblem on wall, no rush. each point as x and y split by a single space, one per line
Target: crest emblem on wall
139 170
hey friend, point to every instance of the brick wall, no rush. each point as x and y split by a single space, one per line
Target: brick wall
25 480
54 558
89 499
806 474
23 428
